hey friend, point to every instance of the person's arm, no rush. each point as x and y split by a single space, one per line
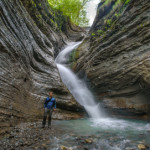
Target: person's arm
45 103
55 104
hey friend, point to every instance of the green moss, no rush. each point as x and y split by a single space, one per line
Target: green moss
33 3
74 55
73 65
107 2
127 1
93 34
40 4
140 26
117 15
39 16
100 32
108 22
117 3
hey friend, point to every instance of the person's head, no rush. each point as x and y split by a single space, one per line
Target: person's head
51 93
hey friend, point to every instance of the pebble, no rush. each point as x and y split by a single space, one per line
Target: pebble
65 148
16 144
142 147
88 140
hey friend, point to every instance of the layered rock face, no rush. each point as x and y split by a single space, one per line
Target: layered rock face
31 35
115 57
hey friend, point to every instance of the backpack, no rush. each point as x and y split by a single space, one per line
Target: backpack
46 102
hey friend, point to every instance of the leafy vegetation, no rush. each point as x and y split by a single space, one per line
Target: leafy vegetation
117 3
110 18
74 9
127 1
117 15
100 32
108 22
93 34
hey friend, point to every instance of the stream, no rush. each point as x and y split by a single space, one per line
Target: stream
103 134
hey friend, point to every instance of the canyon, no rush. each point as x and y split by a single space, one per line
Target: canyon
113 59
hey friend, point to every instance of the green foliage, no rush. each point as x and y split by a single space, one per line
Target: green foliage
93 34
107 2
120 2
117 15
100 32
33 3
117 3
110 19
127 1
74 9
109 22
74 55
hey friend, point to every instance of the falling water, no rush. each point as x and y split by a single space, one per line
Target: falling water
77 87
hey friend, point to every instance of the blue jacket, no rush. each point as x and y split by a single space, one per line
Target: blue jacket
50 103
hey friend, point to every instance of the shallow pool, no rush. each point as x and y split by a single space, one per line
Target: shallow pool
104 134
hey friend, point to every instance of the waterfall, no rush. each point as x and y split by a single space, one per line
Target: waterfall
76 86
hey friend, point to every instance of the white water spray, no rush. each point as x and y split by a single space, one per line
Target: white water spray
76 86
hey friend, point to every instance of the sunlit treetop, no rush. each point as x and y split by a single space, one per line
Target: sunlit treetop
74 9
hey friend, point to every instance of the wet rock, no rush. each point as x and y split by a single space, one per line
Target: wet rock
142 147
44 146
16 144
11 136
65 148
89 140
130 148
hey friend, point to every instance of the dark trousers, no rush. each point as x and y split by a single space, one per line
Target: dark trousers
49 113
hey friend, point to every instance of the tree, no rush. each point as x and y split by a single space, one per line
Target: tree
75 9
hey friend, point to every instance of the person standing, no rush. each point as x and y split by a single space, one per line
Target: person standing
49 106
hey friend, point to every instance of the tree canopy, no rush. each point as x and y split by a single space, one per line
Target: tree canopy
74 9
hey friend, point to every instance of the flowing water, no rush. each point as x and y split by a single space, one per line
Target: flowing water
76 86
106 133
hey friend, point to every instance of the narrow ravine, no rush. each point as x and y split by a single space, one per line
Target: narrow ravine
45 45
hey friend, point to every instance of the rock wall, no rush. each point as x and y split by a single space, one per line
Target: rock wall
115 57
31 35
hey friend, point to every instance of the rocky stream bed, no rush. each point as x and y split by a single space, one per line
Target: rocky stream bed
79 134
